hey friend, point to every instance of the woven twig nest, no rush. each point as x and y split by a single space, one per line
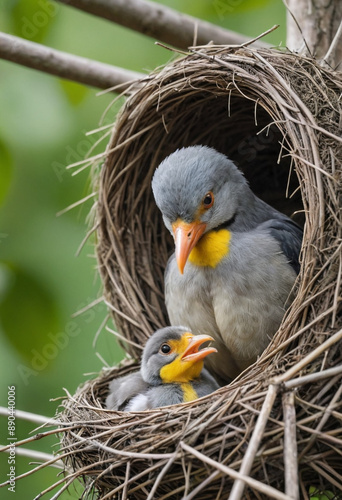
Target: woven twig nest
277 116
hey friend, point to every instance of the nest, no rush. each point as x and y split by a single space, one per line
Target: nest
277 115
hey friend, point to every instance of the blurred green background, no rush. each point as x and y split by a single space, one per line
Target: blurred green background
43 122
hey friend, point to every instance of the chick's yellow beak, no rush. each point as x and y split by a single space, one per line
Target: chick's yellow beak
186 236
192 352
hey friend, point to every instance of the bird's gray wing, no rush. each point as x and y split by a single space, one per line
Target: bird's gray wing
155 397
164 395
123 389
289 235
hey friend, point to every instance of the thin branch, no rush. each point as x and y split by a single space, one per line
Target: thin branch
308 359
99 330
30 417
76 204
160 476
75 68
253 483
59 492
159 22
330 57
39 455
276 26
327 476
128 469
324 419
36 437
247 462
114 451
87 307
290 447
313 377
124 339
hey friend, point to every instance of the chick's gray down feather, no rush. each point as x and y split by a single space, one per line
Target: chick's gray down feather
242 300
170 394
123 389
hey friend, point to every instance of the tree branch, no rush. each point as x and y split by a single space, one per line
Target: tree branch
55 62
312 26
334 50
30 417
159 22
290 446
38 455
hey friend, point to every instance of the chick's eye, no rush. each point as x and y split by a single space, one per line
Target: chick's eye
165 349
208 200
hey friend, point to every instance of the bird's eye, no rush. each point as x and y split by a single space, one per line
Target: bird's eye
208 200
165 349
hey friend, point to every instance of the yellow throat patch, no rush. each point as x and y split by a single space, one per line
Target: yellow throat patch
180 372
211 248
189 393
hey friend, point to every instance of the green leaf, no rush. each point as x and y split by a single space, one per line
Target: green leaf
330 495
28 314
32 19
75 92
316 494
6 166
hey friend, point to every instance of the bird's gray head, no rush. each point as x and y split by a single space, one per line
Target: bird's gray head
157 353
173 355
198 183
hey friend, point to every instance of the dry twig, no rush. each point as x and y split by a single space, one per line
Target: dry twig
290 446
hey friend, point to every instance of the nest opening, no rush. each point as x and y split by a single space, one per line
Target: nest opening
278 117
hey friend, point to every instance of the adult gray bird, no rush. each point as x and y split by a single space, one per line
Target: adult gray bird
235 260
171 372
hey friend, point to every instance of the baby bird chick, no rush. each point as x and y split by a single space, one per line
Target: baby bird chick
171 372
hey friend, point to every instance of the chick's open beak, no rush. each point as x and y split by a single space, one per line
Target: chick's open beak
186 236
193 353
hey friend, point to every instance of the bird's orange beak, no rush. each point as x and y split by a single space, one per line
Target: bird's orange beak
186 236
193 353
